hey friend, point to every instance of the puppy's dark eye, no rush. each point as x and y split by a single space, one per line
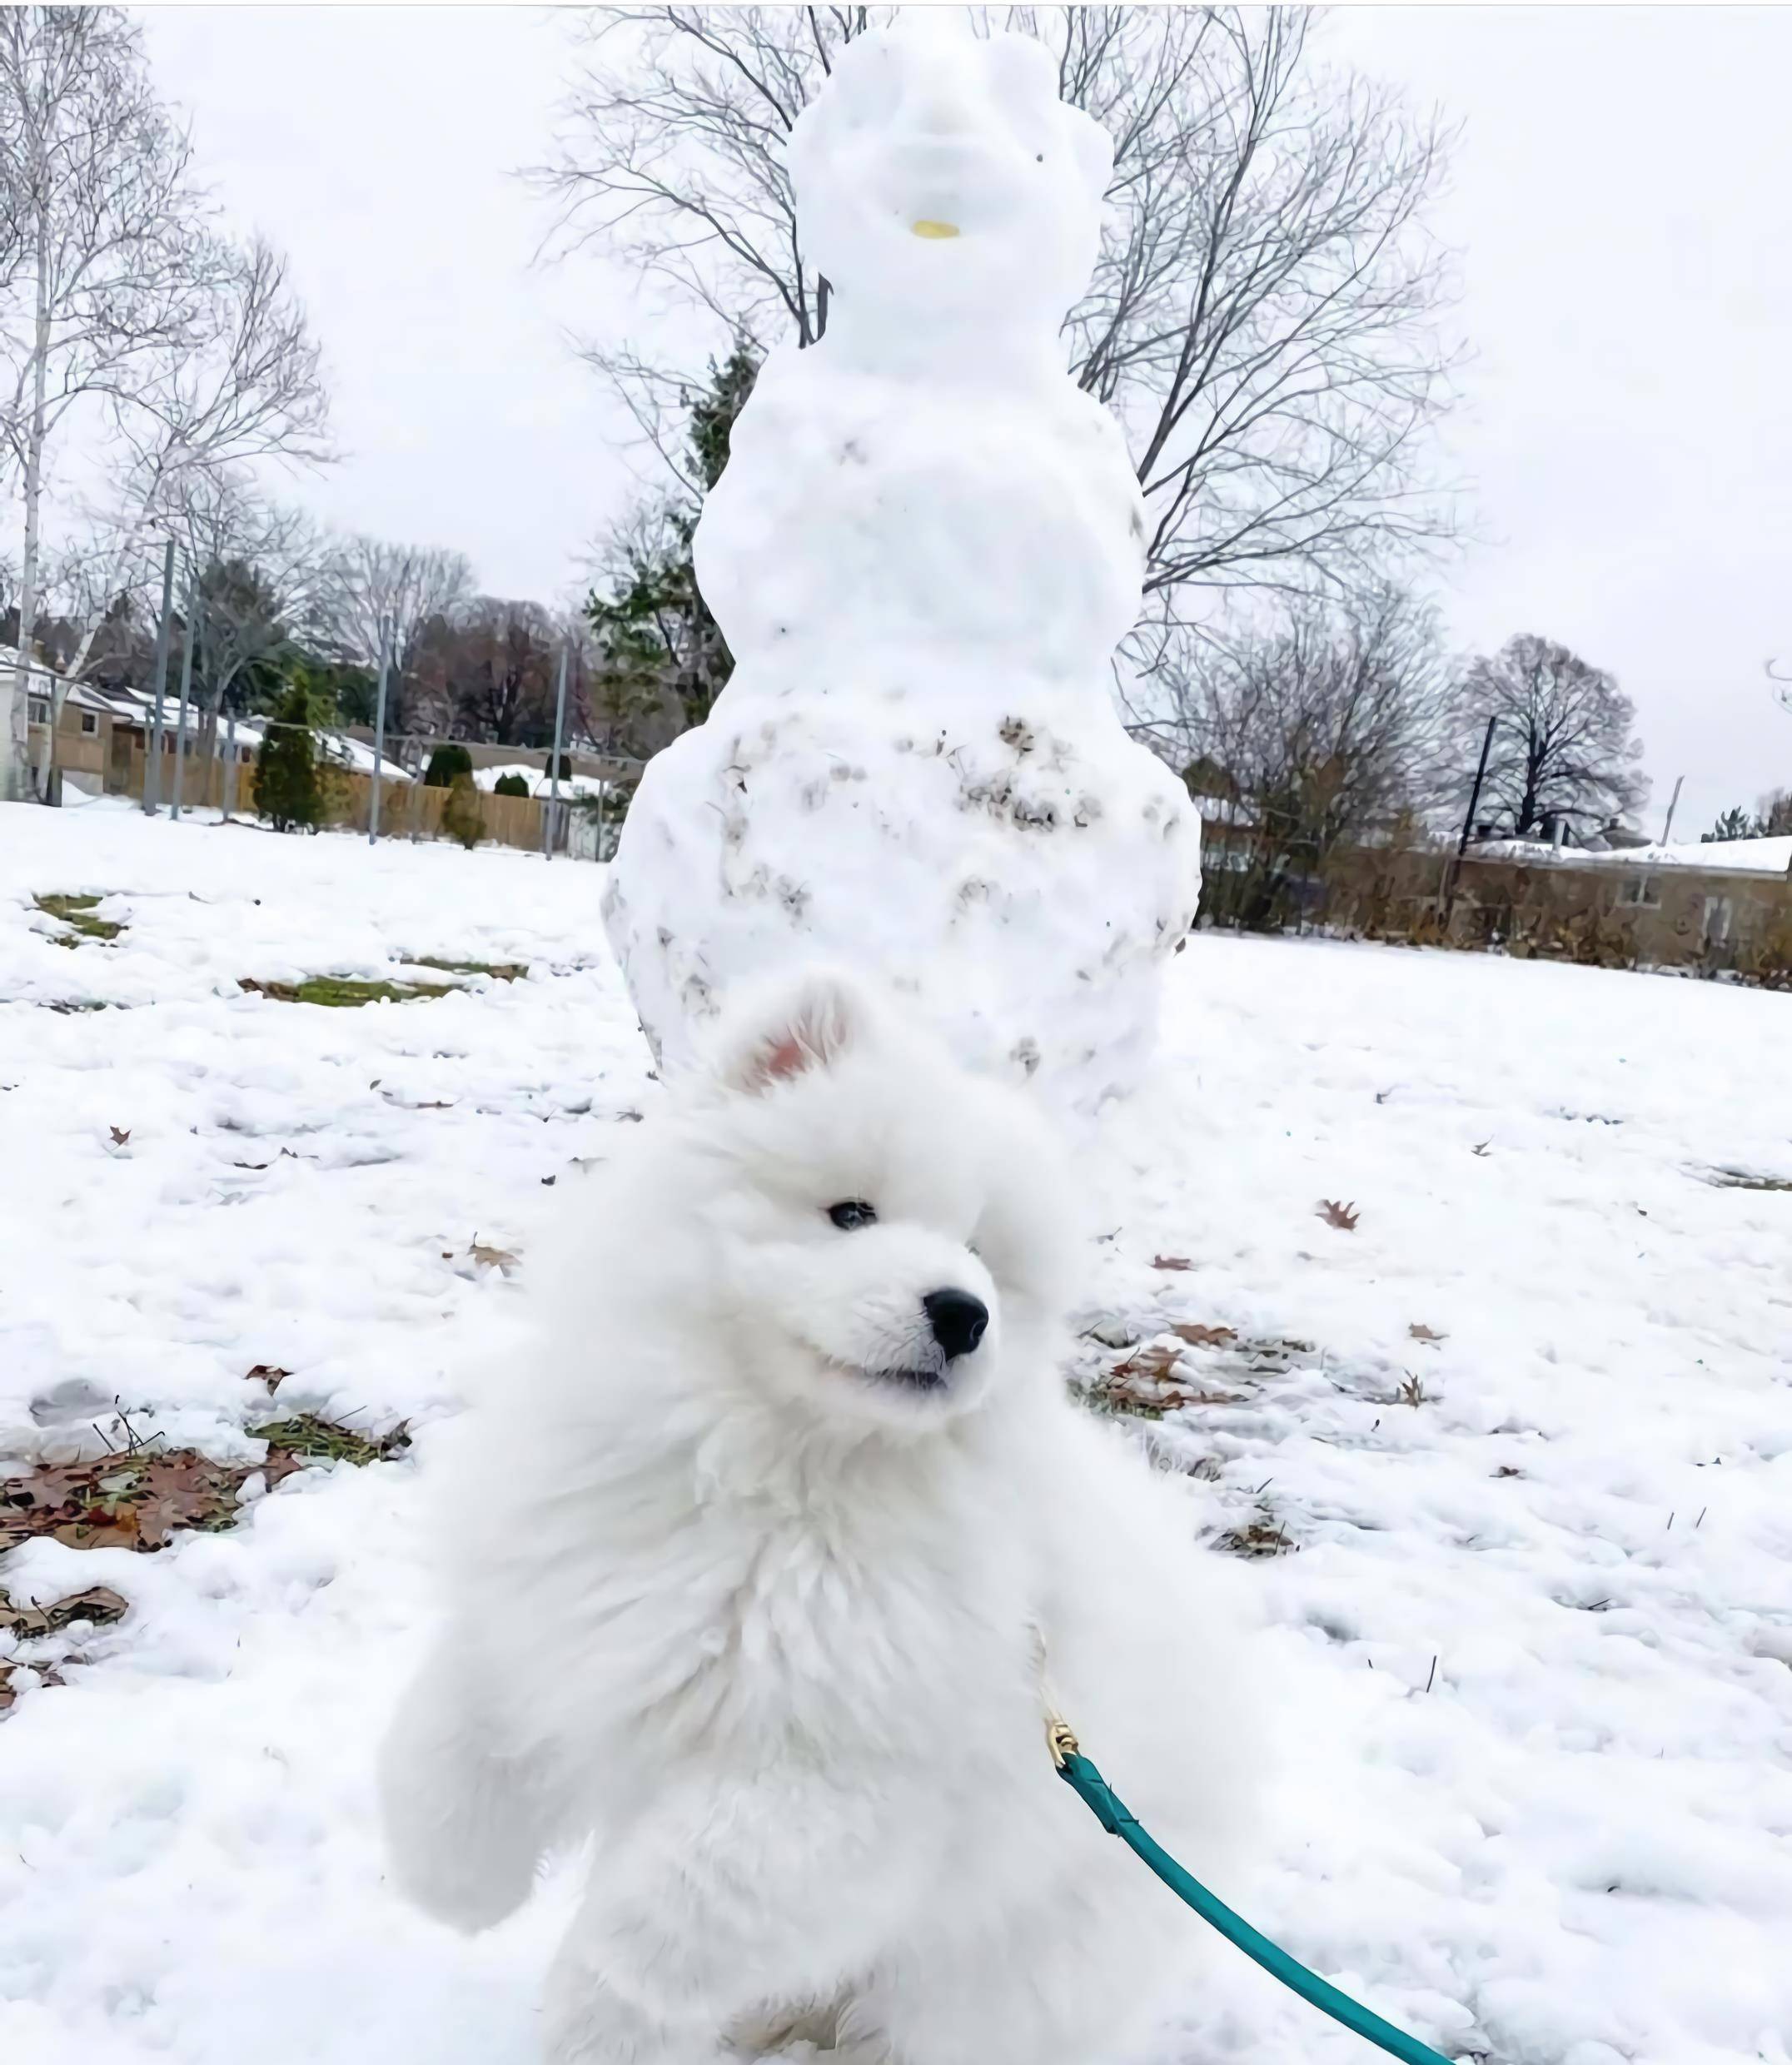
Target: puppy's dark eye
853 1213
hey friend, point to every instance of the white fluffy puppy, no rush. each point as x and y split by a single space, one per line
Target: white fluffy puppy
766 1535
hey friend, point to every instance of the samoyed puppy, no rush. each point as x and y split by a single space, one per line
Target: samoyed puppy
781 1542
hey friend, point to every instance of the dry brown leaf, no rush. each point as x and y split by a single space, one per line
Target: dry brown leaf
492 1257
1198 1336
1343 1217
98 1604
120 1135
268 1374
1150 1364
1171 1261
142 1500
1424 1333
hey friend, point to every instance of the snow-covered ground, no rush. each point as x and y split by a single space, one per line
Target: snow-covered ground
1532 1466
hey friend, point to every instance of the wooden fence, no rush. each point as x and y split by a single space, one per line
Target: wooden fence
407 809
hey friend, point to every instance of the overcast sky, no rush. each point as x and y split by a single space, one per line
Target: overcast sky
1622 199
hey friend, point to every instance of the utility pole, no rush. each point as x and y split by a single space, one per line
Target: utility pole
1673 805
1468 822
554 765
1474 796
187 690
379 728
153 772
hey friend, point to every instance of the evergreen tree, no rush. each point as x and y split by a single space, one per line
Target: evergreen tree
658 644
289 789
510 785
1734 824
447 763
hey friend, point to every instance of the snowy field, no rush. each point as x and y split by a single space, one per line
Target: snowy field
1516 1445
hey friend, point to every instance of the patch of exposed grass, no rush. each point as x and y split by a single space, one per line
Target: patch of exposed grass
315 1440
344 993
503 971
77 913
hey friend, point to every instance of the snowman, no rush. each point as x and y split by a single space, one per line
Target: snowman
926 545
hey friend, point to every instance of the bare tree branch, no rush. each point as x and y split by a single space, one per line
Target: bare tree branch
1265 318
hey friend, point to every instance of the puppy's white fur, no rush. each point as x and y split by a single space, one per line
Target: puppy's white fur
747 1592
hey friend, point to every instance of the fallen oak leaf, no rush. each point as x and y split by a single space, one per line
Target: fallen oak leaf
1151 1363
270 1374
1171 1261
99 1603
1198 1336
120 1135
492 1257
1343 1217
1418 1332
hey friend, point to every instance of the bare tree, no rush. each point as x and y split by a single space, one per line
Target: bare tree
489 668
370 583
248 387
254 591
99 281
1565 746
1328 728
1264 316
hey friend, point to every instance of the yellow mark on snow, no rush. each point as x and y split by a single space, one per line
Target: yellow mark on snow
925 228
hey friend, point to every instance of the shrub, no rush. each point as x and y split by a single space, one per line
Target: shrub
510 785
461 815
445 763
289 789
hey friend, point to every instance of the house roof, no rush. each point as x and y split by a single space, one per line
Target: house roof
1751 856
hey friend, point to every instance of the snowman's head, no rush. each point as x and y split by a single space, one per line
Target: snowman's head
939 174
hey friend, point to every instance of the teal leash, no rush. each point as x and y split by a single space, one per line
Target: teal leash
1095 1793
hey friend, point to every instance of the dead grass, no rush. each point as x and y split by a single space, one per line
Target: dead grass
1264 1535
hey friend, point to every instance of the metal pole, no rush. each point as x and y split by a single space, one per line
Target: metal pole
229 765
554 765
1673 805
153 772
187 690
379 729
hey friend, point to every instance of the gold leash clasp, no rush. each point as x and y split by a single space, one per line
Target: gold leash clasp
1061 1739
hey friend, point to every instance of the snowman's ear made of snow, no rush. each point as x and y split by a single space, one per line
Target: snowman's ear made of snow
787 1029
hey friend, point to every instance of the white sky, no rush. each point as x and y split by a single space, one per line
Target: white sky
1622 200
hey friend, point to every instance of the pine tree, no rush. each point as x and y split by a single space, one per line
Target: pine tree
656 635
1734 824
289 789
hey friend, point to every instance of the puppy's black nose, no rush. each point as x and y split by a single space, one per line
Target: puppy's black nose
958 1320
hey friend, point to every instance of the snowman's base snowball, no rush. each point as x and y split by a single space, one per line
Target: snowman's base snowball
1021 878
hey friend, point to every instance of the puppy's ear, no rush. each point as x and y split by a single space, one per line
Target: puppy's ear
786 1032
